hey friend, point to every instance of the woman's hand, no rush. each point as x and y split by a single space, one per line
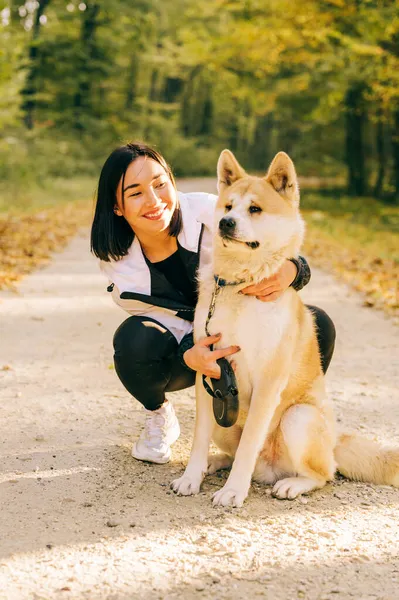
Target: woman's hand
273 287
201 358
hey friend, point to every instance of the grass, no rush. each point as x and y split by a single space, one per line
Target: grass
358 239
18 199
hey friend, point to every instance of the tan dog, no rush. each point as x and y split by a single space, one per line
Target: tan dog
285 434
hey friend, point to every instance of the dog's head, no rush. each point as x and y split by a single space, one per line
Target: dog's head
257 218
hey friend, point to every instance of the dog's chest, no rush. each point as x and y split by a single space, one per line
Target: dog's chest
257 327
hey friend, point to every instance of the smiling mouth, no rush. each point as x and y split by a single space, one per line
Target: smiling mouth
252 245
155 214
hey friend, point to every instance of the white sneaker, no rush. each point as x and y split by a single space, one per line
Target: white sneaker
161 430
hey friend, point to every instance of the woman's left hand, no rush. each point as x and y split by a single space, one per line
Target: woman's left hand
273 287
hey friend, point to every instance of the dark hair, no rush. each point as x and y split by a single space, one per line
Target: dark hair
111 235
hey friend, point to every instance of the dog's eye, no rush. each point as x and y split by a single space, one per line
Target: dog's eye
228 207
255 209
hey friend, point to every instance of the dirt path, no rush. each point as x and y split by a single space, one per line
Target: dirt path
80 519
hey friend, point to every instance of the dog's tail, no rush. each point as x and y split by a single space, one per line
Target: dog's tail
361 459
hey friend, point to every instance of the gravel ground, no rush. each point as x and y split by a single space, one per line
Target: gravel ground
81 519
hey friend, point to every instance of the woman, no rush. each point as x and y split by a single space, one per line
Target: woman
147 236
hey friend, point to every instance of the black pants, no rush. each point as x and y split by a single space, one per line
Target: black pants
147 364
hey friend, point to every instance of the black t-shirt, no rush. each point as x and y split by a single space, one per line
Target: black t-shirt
175 272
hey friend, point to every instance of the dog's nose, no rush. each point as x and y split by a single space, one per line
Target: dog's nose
227 225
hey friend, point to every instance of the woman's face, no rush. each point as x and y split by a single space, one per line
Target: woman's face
149 197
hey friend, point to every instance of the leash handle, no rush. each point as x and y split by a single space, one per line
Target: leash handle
208 387
224 394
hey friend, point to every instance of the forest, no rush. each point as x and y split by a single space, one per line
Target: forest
316 78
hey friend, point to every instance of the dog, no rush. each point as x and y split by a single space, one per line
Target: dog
285 434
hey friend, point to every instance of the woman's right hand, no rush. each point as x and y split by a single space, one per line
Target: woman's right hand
201 358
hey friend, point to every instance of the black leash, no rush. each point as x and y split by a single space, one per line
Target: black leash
224 391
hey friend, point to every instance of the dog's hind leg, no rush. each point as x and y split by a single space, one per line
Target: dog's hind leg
265 473
227 440
309 442
217 462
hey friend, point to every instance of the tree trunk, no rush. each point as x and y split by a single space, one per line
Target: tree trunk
29 90
381 158
87 39
355 119
205 112
185 109
172 89
233 135
188 96
132 81
153 94
395 150
261 151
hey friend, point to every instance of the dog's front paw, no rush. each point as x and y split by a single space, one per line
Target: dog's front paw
228 496
186 485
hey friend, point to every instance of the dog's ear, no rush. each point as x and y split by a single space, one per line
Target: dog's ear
282 176
228 170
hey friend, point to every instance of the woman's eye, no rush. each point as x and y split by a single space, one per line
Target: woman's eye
134 195
255 209
228 207
161 185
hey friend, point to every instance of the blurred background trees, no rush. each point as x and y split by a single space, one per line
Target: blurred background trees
316 78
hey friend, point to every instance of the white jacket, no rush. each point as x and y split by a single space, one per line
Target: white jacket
142 290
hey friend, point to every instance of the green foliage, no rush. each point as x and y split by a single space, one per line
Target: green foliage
79 78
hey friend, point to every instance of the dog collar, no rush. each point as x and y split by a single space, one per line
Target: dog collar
223 282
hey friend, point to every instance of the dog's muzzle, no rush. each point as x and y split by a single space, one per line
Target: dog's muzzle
227 226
